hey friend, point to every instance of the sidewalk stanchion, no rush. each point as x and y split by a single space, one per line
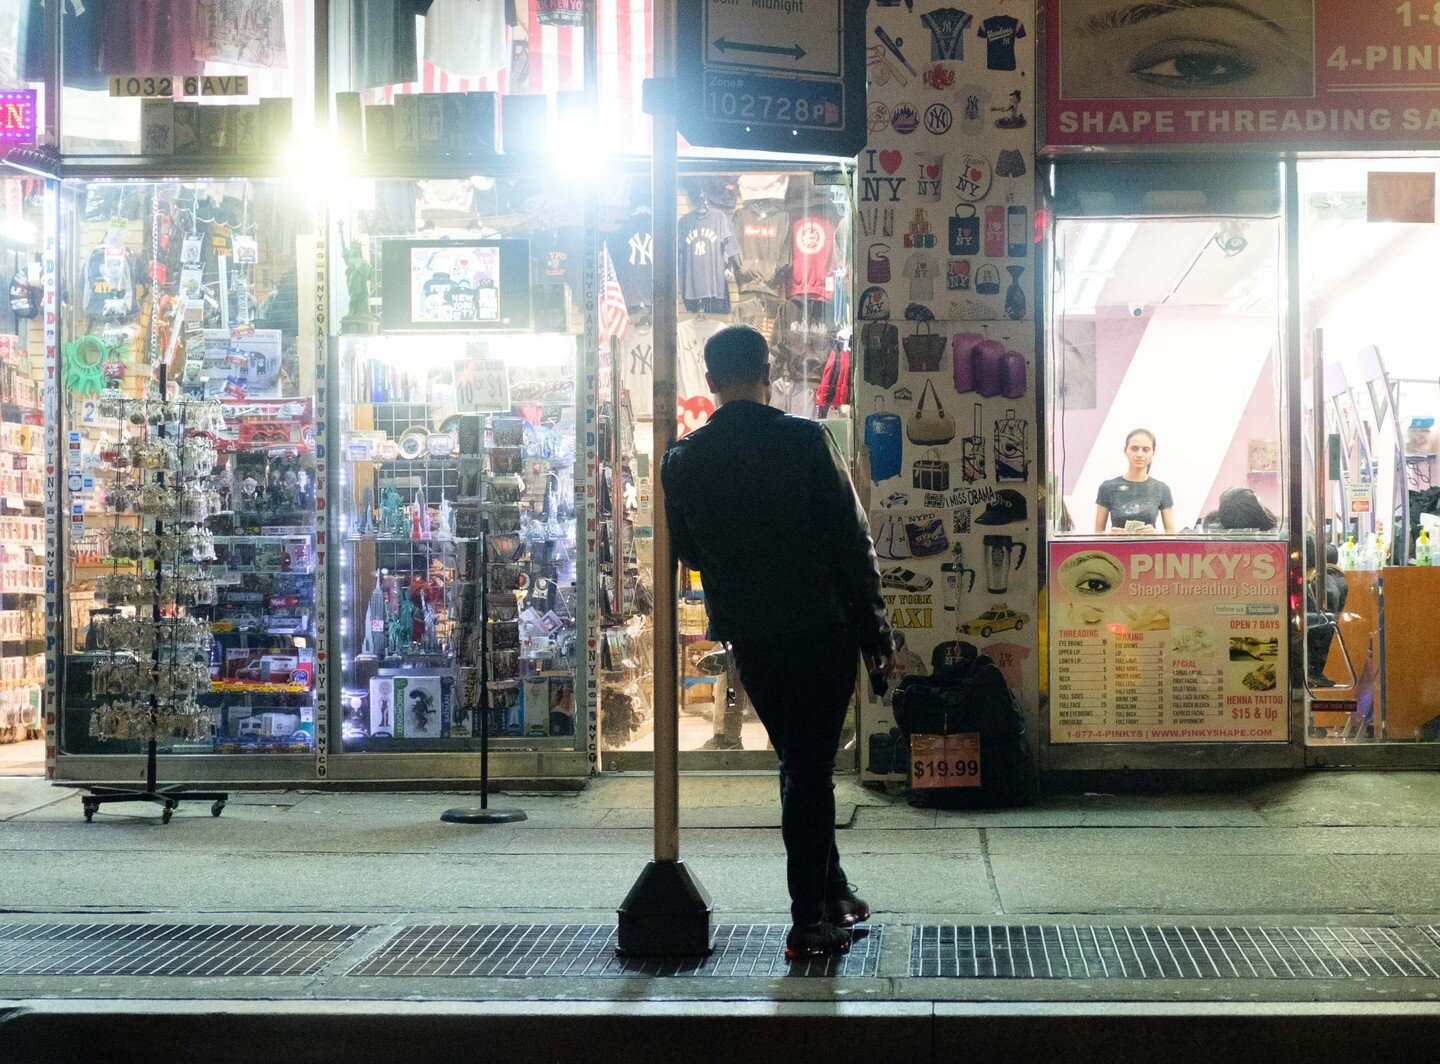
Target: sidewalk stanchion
667 912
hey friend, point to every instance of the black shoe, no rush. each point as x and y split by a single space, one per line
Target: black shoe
807 941
720 742
1321 681
846 910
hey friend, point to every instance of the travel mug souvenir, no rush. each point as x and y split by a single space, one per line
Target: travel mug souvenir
927 175
998 551
972 453
955 574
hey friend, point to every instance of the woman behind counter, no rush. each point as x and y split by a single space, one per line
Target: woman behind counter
1135 502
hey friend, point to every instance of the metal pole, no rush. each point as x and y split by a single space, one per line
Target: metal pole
667 911
617 494
1322 466
664 179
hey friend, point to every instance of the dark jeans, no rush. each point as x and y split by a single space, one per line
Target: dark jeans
801 684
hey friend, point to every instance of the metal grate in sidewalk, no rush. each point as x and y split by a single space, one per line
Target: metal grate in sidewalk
1063 951
554 951
171 949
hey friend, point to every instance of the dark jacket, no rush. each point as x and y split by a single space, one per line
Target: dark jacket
760 503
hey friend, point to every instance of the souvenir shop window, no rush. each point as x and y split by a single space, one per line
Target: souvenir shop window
22 451
764 249
1166 379
187 400
458 370
174 78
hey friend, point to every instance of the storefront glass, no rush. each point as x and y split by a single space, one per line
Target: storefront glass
1368 248
199 78
187 414
1168 554
761 248
457 411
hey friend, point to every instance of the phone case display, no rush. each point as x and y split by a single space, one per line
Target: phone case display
194 284
945 376
422 477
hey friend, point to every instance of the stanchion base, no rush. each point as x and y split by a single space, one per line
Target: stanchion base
482 816
666 914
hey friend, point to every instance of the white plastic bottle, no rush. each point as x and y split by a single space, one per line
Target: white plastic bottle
1348 555
1423 554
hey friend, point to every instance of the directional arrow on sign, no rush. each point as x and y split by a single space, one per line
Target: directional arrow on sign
794 51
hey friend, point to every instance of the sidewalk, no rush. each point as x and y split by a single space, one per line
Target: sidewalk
1357 854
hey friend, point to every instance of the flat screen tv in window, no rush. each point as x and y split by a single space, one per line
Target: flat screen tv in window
455 285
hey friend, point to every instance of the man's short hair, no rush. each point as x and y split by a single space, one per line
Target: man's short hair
737 354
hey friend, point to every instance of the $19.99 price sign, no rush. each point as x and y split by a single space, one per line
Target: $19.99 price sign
945 760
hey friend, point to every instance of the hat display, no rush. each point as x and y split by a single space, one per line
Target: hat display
874 306
1006 508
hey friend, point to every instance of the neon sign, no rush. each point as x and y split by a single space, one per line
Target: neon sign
17 116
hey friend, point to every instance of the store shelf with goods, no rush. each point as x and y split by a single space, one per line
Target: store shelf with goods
421 477
188 297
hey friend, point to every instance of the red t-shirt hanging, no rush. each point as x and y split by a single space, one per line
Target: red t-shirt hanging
812 255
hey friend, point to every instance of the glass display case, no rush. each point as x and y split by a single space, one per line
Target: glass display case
185 296
458 389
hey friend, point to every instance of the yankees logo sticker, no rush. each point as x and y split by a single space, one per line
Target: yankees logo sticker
938 119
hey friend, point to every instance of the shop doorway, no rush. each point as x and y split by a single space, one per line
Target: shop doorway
1369 250
782 253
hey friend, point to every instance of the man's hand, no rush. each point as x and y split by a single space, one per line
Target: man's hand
880 668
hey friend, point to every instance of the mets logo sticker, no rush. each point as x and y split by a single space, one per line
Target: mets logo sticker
904 118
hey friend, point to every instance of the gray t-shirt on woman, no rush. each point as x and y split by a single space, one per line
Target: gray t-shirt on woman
1134 500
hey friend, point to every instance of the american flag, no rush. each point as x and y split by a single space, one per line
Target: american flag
557 63
614 317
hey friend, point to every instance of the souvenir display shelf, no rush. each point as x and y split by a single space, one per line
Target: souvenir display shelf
193 282
419 473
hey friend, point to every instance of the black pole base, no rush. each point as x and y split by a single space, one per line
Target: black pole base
482 816
165 797
666 914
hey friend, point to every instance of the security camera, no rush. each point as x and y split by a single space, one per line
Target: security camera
1137 309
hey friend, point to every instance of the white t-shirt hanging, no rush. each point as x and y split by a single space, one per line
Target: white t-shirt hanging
695 403
467 37
921 268
637 369
763 186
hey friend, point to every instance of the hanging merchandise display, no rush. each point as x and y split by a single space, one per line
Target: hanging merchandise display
152 642
880 352
191 459
948 140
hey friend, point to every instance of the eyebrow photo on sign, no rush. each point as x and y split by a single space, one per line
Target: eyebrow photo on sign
1159 49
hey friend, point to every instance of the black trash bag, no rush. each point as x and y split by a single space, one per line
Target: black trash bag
970 704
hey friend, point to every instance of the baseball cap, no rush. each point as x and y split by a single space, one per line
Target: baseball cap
873 304
1007 507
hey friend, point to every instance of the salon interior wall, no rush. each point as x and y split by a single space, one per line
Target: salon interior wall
945 201
1197 466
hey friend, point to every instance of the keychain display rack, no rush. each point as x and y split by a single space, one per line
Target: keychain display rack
155 634
487 579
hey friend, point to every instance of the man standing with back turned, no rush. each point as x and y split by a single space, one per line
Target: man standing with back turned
759 502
